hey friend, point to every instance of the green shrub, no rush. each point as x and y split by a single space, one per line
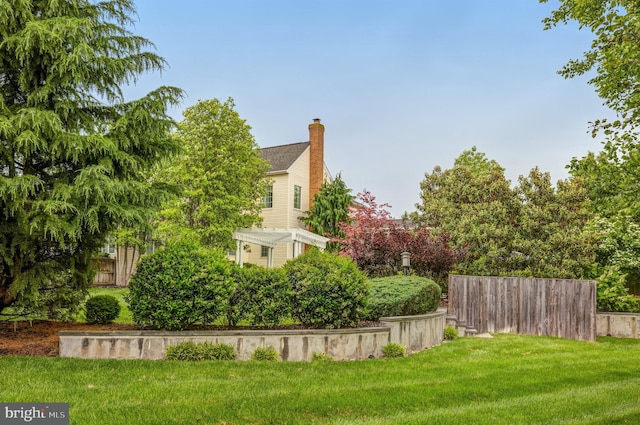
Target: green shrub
186 350
102 309
261 296
190 351
321 357
210 351
327 291
394 350
450 333
402 296
180 285
268 354
612 293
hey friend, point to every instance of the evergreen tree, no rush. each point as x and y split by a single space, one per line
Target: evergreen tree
330 208
74 154
479 211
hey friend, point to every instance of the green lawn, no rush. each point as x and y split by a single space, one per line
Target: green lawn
506 380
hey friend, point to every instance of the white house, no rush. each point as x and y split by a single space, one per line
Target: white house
297 173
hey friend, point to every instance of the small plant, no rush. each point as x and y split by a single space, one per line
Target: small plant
210 351
102 309
450 333
186 350
394 350
321 357
268 354
190 351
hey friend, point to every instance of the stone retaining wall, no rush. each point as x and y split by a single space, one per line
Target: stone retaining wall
621 325
415 332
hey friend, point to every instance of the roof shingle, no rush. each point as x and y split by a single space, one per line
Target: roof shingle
282 157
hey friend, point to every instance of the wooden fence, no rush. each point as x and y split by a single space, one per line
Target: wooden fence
117 270
553 307
105 271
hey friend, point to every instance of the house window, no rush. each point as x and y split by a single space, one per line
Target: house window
297 196
109 247
267 202
264 251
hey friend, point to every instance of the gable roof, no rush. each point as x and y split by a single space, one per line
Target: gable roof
282 157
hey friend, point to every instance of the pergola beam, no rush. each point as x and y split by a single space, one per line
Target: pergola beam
271 237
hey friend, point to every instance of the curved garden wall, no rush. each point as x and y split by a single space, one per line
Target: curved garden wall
414 332
620 325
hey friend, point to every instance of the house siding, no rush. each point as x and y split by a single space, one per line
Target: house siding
282 215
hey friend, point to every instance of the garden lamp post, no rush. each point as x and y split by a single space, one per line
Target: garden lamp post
406 262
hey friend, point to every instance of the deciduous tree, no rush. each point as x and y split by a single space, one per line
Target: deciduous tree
533 229
221 174
374 240
74 153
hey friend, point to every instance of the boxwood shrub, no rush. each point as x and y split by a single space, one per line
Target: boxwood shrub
102 309
261 296
179 285
402 296
327 291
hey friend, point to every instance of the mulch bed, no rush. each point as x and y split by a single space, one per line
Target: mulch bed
40 337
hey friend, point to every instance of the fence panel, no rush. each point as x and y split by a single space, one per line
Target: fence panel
554 307
106 271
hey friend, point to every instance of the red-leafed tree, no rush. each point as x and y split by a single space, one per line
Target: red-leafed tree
374 240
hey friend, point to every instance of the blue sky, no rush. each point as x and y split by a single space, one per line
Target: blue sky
401 86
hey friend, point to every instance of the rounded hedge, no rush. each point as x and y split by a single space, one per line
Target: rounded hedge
179 285
102 309
402 296
327 291
261 296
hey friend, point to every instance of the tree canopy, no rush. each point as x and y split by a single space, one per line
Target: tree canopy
375 241
533 229
610 177
74 153
221 174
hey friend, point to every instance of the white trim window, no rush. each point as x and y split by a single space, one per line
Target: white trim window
267 201
297 197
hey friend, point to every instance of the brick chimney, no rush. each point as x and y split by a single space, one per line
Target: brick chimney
316 165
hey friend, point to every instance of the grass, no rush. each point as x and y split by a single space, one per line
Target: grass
506 380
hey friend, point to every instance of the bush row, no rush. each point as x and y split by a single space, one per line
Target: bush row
184 284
